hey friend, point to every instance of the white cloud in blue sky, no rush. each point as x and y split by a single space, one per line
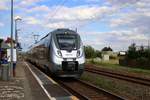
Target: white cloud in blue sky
101 23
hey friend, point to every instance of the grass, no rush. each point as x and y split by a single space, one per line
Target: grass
115 86
114 65
98 81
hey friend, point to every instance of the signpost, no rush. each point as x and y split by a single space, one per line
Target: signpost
9 54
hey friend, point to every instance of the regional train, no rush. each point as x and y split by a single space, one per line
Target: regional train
61 52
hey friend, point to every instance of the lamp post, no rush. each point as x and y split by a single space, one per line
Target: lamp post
11 64
16 30
16 33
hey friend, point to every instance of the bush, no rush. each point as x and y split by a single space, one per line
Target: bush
137 58
98 54
142 61
136 54
90 52
92 61
123 62
147 53
113 57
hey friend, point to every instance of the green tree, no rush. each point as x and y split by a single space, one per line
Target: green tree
132 51
89 52
98 53
1 40
147 53
141 52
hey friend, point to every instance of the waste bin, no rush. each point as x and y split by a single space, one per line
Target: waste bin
5 72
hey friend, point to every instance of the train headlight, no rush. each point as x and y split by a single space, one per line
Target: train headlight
78 53
59 53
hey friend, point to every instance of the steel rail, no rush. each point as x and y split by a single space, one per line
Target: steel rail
128 78
88 92
83 96
73 91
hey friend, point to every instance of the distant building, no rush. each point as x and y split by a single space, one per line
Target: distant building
122 53
8 41
105 57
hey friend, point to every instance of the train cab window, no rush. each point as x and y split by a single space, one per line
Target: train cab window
67 41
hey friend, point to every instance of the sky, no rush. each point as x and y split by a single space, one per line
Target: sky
100 23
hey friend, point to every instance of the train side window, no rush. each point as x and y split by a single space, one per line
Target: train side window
41 52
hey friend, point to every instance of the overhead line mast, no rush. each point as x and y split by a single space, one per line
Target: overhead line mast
36 37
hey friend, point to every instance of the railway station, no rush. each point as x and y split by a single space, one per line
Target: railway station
74 50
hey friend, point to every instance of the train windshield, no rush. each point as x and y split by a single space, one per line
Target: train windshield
67 41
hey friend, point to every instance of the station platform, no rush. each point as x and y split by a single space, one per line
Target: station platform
32 84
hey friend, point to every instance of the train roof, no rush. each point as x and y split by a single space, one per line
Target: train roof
63 30
57 31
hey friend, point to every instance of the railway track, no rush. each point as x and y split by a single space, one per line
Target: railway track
86 91
129 78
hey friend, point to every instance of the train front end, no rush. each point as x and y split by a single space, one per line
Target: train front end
68 54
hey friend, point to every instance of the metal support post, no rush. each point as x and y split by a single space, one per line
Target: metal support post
11 64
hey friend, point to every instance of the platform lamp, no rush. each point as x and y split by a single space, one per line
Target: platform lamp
16 30
16 33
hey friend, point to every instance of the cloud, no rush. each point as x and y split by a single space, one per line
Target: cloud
139 21
3 5
92 1
72 16
118 40
135 18
80 13
31 21
118 22
122 35
127 20
42 8
128 35
26 3
56 25
123 2
1 24
49 17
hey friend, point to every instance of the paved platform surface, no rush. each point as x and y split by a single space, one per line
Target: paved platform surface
51 88
32 84
23 87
